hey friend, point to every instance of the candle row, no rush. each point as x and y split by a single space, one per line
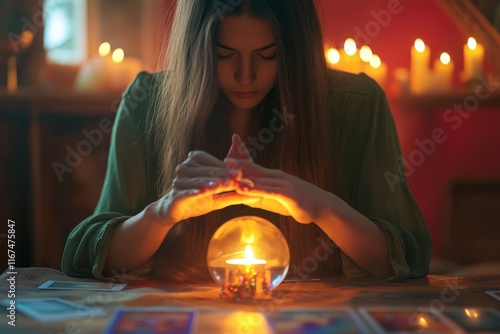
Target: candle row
109 71
354 60
423 79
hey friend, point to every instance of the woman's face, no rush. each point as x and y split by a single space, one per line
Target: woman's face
246 53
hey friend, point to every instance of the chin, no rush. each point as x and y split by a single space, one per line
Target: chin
246 103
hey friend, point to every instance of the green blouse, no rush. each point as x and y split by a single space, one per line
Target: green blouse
369 159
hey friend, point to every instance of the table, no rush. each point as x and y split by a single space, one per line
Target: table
216 315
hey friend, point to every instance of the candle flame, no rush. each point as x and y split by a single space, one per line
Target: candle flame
422 322
118 56
249 253
471 313
26 38
419 45
333 56
365 53
471 43
350 47
104 49
249 258
445 58
375 61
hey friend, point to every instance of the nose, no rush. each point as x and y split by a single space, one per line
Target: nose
245 73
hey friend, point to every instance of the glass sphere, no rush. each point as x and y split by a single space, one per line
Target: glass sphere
248 257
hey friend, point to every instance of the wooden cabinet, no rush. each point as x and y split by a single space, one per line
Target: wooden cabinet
53 152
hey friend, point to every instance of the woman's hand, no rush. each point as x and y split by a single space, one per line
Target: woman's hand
202 184
275 190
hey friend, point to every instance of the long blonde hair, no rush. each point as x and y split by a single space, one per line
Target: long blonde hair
190 115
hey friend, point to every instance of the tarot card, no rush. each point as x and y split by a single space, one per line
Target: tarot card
316 321
84 286
494 294
475 320
407 320
54 309
152 321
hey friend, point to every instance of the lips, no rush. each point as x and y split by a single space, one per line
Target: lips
246 95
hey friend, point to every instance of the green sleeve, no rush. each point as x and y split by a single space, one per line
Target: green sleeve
128 187
374 181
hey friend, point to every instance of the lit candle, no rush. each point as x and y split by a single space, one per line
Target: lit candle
124 70
333 58
350 57
249 259
377 70
443 73
473 60
366 54
94 75
419 67
248 278
12 74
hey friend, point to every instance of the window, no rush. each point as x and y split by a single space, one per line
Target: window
65 33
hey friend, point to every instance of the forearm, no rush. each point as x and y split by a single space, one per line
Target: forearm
357 236
136 240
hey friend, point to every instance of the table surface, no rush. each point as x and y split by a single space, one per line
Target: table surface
218 315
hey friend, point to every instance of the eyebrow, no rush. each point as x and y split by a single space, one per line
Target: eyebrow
261 49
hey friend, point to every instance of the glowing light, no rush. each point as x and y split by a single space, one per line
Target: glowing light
333 56
375 61
350 47
471 43
445 58
365 53
248 260
471 313
104 49
419 45
118 56
422 322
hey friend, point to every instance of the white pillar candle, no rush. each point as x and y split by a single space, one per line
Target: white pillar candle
419 67
443 73
473 60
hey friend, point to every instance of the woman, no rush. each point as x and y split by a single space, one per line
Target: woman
249 120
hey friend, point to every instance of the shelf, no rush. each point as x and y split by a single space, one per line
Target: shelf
437 101
70 103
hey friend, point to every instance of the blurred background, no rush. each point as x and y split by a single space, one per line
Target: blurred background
65 63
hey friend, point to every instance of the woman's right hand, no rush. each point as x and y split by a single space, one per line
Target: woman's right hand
202 184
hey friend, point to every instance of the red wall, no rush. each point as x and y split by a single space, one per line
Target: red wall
472 148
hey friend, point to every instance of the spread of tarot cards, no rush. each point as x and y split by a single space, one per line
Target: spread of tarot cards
54 309
83 286
421 320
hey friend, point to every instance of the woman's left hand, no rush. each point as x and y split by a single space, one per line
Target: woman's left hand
278 191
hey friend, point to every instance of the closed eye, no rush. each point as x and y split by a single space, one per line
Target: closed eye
221 57
268 58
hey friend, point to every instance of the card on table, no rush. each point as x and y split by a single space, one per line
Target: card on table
83 286
494 294
475 320
317 321
407 320
55 309
152 321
